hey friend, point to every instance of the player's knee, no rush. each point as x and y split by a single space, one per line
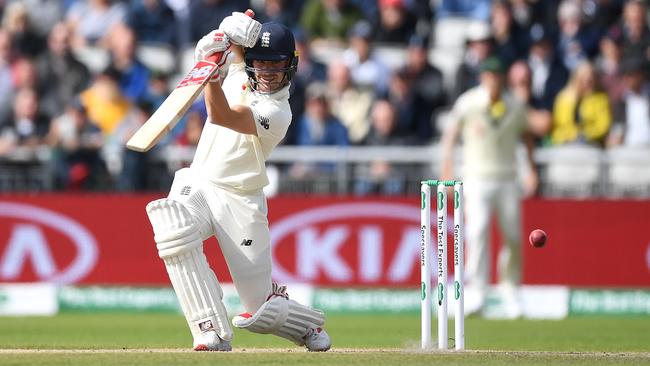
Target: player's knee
174 229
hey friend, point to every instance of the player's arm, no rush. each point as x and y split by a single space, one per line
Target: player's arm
450 137
237 117
238 30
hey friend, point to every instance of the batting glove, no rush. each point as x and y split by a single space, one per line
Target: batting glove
241 28
214 43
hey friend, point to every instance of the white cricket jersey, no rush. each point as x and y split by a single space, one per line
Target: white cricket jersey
489 147
236 160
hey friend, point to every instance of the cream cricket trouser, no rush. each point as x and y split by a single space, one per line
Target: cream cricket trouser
482 199
240 224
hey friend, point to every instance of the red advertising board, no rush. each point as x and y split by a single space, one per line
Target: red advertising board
330 241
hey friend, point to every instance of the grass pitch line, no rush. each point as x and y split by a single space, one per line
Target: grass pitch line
333 350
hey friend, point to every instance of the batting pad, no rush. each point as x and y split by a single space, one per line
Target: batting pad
282 317
195 284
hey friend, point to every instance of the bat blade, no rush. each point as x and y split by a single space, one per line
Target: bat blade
173 108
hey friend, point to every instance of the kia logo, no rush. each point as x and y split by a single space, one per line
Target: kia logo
27 239
320 250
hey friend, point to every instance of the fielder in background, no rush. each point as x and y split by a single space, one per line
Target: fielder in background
492 123
221 192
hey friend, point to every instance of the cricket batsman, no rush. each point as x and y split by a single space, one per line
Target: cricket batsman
221 194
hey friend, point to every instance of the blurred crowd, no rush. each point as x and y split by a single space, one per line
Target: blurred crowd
76 78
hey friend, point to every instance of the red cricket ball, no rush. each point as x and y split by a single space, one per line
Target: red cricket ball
537 238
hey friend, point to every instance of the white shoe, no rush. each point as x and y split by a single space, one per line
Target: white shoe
210 341
317 340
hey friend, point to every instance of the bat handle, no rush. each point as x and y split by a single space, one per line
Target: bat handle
217 56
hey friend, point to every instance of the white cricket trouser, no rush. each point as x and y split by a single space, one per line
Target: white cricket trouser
241 226
482 199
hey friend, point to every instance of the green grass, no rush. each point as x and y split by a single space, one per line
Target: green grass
392 340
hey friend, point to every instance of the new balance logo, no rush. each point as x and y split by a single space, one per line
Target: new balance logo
185 191
246 242
264 122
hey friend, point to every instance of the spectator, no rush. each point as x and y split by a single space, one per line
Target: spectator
329 21
24 74
153 22
309 71
286 12
581 112
76 143
133 175
380 176
608 65
134 78
522 13
6 82
492 124
601 15
27 127
318 126
91 20
478 47
510 43
158 88
44 14
632 126
60 75
206 15
104 101
549 75
540 118
634 28
411 117
183 133
366 69
349 103
576 42
395 23
25 41
428 84
195 119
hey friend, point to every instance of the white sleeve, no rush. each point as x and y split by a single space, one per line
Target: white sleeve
459 110
272 120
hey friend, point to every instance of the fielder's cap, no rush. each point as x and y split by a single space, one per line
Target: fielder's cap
492 64
361 29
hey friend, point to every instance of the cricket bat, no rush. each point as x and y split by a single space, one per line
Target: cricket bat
177 103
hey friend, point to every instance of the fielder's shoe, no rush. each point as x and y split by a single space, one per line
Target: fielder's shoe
210 341
317 340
